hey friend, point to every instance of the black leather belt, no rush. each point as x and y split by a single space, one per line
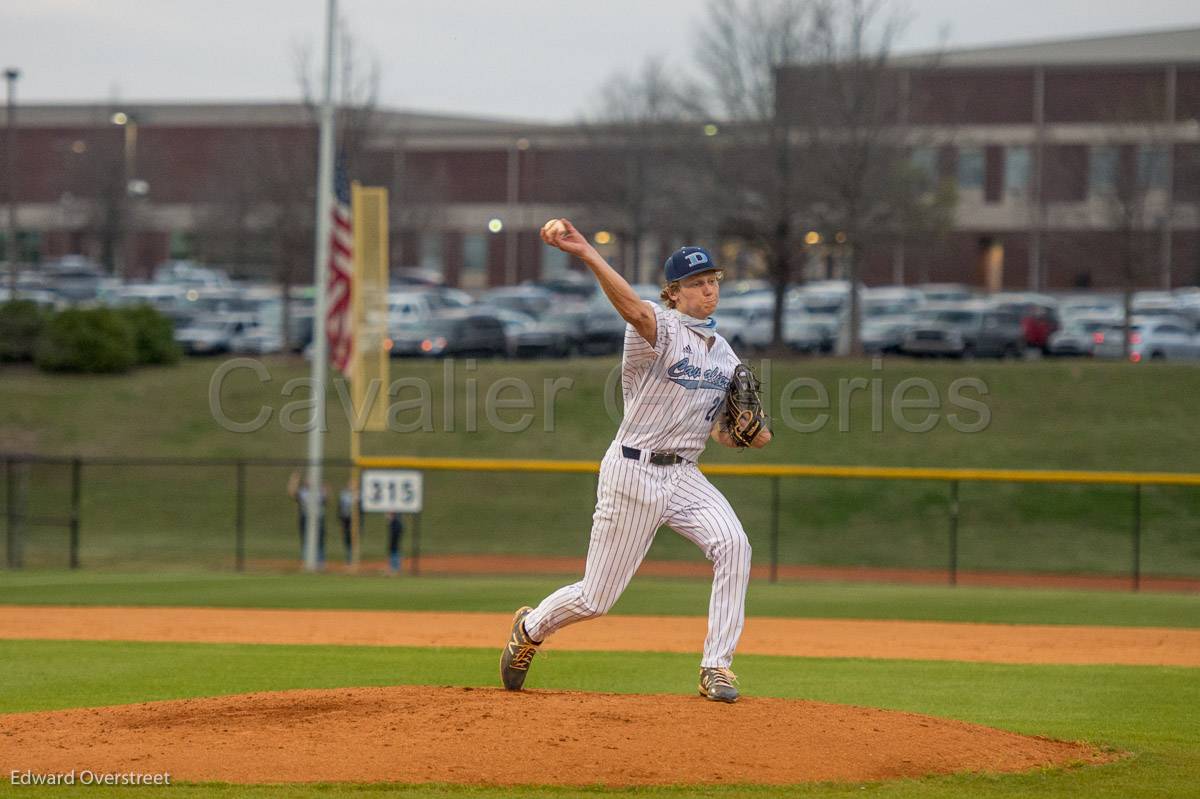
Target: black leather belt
657 458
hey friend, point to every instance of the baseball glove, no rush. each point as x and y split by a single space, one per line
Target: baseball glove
744 417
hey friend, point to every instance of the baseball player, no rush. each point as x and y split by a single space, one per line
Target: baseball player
675 375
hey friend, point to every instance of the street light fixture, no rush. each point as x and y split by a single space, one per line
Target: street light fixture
134 188
10 178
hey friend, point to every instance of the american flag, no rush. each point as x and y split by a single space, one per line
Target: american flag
338 323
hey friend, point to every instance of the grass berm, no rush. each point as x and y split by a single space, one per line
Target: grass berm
1043 415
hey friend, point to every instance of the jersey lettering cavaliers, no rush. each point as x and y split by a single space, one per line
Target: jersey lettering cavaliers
674 391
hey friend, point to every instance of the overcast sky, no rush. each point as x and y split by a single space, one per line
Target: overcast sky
525 59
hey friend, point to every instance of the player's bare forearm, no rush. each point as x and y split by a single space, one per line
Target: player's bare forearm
629 305
562 234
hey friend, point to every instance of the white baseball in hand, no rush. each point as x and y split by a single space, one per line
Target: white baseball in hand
555 229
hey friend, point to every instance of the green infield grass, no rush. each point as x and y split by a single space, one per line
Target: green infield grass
645 595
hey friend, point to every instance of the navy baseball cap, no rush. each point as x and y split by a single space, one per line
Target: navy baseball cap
688 261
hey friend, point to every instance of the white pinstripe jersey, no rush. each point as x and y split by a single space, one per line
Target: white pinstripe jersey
675 390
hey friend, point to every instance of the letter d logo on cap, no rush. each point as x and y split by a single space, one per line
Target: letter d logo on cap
694 259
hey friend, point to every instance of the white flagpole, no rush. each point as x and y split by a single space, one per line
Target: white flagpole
315 504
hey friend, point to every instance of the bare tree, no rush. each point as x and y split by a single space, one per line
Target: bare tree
859 143
232 228
418 187
646 137
1125 183
823 145
263 201
742 45
1130 191
94 176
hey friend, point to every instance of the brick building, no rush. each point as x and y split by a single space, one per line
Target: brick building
1076 162
1037 138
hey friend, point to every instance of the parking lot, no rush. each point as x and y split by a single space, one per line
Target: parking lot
568 317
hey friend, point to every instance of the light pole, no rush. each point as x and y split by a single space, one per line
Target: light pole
132 188
10 174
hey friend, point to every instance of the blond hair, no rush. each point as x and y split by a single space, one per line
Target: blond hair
667 288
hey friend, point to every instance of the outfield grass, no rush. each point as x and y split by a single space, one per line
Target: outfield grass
1145 711
1048 414
645 595
1075 415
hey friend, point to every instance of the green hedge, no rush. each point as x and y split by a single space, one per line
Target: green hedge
91 340
21 323
153 334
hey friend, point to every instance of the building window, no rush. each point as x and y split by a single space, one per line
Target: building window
28 249
430 251
475 253
970 168
925 161
1152 166
1016 171
1103 161
182 245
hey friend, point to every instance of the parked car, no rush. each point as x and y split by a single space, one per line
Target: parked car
414 277
1164 303
407 306
441 298
404 340
47 300
965 330
604 329
558 334
210 335
467 333
900 299
513 322
886 316
1038 314
945 292
75 279
1152 338
733 314
569 286
263 305
1090 305
189 275
1078 336
820 300
531 300
746 288
802 331
259 340
885 334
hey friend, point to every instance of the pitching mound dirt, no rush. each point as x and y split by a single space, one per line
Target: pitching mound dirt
465 735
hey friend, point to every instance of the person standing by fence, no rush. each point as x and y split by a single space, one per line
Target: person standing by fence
395 534
298 491
347 504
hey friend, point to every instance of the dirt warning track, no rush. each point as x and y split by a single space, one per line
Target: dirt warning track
916 640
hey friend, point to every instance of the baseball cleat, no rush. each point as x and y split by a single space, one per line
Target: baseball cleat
518 653
717 685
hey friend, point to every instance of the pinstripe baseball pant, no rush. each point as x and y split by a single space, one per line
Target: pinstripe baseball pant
633 499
